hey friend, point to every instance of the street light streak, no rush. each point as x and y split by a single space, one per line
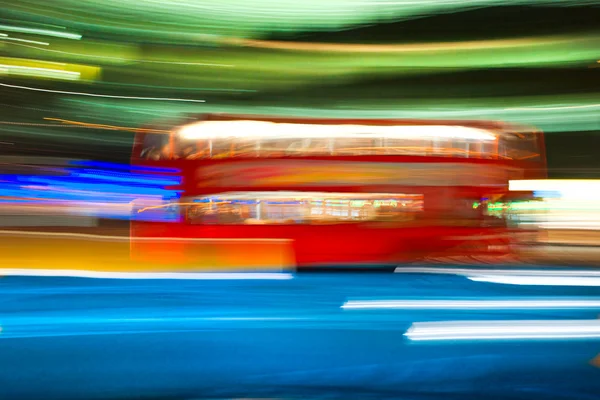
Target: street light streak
495 272
146 275
504 330
538 280
101 95
470 304
41 32
120 59
49 70
6 37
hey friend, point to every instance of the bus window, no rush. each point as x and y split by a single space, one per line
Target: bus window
413 147
482 150
246 148
223 147
155 146
274 147
440 147
191 149
268 208
458 148
310 146
228 147
521 146
358 146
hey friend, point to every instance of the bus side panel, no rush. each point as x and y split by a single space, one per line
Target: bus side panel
201 248
274 246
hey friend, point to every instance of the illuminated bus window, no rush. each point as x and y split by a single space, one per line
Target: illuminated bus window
310 146
458 148
223 147
256 138
190 149
290 211
412 147
274 147
226 147
521 147
358 146
269 208
483 150
487 149
155 146
441 147
245 147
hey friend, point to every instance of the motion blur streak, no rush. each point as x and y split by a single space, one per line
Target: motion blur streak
126 239
206 199
145 275
538 280
25 41
100 95
103 126
504 330
497 272
82 188
38 72
402 48
470 304
42 32
225 339
264 129
569 188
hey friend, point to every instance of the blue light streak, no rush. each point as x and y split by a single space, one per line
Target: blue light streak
96 183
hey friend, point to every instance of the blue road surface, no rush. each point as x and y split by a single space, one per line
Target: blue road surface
309 336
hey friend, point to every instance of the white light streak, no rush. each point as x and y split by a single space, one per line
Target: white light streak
496 272
24 40
504 330
248 129
538 280
470 304
572 189
122 59
575 225
40 72
41 32
101 95
560 107
145 275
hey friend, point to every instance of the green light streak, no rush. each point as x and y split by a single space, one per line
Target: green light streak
158 18
264 69
579 115
130 41
80 136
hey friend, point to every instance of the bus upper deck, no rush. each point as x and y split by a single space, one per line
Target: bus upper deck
222 137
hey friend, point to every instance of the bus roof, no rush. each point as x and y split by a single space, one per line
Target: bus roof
349 121
482 124
500 128
226 125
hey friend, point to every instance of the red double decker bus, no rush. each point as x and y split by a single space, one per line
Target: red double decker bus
312 192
